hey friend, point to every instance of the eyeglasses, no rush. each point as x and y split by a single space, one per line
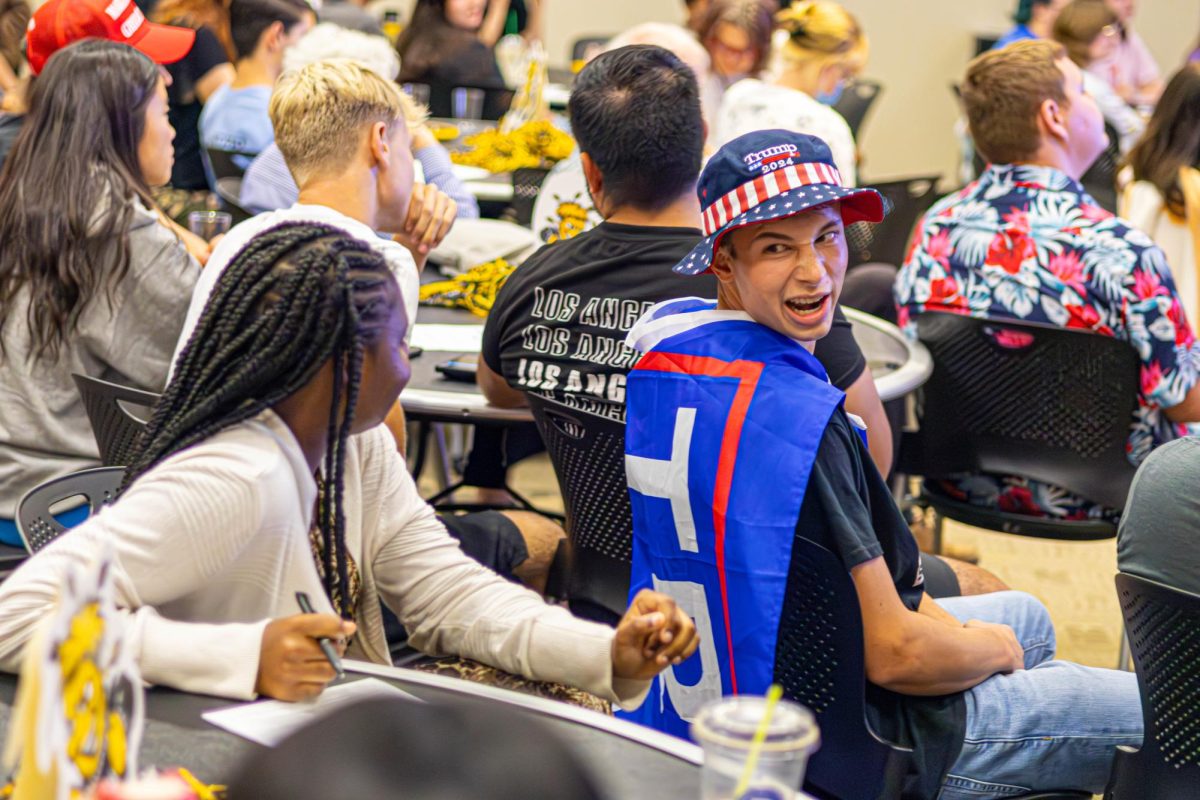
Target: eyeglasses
1110 31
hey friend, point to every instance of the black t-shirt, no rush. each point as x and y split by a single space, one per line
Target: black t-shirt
10 126
848 509
558 324
185 107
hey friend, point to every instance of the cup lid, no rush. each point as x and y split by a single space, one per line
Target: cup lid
733 721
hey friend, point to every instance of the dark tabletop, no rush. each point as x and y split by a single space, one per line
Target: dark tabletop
176 735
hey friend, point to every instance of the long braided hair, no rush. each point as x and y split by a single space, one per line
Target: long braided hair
296 297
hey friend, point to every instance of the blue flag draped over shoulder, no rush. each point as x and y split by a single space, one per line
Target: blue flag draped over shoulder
723 420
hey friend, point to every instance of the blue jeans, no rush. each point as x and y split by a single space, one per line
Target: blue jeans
1053 725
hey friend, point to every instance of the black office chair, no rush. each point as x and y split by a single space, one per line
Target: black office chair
222 162
581 46
1164 633
98 486
116 429
905 201
1100 180
588 454
527 184
856 100
983 43
822 664
230 191
495 100
1020 399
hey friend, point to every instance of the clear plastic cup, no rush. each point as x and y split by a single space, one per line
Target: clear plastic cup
725 729
419 92
209 224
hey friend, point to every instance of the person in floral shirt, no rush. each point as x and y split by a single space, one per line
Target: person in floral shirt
1026 242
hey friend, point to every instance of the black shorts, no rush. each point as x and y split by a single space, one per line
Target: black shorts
490 538
940 580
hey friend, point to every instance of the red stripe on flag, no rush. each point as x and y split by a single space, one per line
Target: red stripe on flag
747 373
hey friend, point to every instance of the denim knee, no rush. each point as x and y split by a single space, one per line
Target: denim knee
1030 620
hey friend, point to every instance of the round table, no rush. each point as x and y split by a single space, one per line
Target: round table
628 760
897 364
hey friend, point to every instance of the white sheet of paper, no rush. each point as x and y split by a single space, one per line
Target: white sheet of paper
452 338
269 721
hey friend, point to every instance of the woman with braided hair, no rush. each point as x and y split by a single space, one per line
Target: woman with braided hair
265 470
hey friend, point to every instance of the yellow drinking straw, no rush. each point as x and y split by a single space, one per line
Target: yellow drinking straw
760 736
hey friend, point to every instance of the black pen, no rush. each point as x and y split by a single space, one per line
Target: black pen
322 641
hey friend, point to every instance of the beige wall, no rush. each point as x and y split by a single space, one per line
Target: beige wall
918 48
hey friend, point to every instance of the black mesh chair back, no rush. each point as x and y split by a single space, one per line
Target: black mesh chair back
223 164
1019 399
527 184
856 100
1163 625
495 101
115 428
98 486
588 454
905 201
1100 180
821 664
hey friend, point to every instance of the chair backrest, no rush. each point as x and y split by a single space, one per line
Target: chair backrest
527 184
1019 399
1163 625
115 428
905 201
224 163
1100 180
230 191
856 100
821 663
495 101
98 486
588 454
588 45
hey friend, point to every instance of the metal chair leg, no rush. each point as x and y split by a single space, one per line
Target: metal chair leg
1125 655
444 475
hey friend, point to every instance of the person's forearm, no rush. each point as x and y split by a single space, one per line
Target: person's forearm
533 25
493 23
931 609
941 659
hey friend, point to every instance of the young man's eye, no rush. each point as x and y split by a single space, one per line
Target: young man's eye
831 237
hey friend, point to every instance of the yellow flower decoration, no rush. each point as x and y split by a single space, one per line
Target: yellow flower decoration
475 290
536 144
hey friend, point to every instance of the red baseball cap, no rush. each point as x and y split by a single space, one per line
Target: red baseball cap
58 23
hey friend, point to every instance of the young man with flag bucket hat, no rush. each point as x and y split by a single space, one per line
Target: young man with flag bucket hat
736 444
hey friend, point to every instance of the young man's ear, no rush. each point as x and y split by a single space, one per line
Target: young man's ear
1052 119
722 264
273 37
378 144
594 178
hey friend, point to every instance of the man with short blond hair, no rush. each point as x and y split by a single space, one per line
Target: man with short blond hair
1025 242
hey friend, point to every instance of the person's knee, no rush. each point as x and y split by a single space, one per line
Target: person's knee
973 579
1030 620
541 535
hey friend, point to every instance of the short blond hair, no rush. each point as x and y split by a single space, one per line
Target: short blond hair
317 110
820 33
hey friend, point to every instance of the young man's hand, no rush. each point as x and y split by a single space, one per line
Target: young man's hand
653 634
1013 657
431 214
291 665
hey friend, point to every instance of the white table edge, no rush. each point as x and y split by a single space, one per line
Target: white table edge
915 370
664 743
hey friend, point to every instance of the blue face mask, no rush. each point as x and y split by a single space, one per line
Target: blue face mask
831 98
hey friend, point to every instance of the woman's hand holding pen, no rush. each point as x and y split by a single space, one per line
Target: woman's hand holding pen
291 665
